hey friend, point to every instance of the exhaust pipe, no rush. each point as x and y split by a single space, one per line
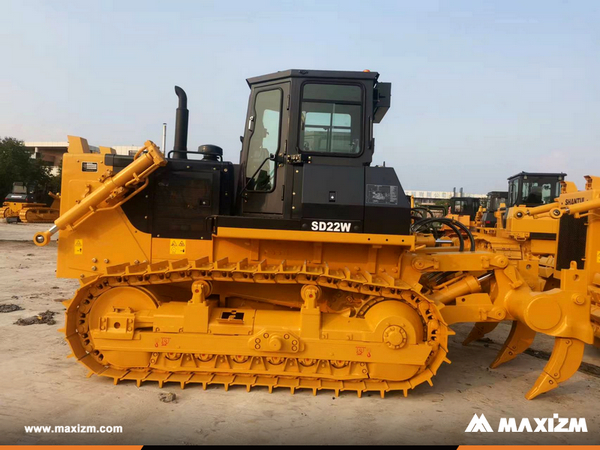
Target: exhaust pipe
181 126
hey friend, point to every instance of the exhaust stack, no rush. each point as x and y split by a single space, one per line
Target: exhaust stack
181 126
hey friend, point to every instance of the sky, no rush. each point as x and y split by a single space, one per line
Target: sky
480 90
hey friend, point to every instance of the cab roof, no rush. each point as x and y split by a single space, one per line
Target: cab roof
302 73
539 174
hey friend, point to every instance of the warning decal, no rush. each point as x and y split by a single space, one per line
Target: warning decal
381 194
177 247
79 246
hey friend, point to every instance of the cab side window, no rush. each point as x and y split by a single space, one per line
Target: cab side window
331 119
260 171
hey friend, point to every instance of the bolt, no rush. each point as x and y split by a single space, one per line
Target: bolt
136 261
556 212
94 260
106 260
519 214
94 268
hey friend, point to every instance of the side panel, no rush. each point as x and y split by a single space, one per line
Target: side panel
181 197
387 210
528 224
330 192
107 236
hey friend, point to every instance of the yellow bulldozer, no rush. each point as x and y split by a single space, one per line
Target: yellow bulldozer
539 240
295 268
527 240
26 204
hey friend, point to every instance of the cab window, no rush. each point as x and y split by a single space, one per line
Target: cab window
331 118
513 192
495 203
19 188
459 207
260 171
539 193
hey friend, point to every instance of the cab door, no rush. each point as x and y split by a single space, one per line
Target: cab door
265 144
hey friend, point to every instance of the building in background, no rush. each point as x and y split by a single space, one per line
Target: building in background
430 197
51 153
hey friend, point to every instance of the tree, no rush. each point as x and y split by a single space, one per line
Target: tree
16 164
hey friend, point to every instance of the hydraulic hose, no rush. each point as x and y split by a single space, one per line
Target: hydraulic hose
450 223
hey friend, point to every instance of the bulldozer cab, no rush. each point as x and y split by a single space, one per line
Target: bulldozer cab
534 189
465 206
19 188
21 193
298 118
494 200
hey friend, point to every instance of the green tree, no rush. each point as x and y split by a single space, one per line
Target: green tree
16 164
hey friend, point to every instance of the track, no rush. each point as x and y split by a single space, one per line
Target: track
299 369
3 211
38 215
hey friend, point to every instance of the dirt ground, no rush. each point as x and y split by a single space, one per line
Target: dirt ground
41 387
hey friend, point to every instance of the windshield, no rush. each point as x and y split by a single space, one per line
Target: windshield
539 192
495 203
532 190
19 188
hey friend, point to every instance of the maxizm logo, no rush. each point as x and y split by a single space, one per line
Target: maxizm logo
553 424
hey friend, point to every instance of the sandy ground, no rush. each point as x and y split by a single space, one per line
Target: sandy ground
41 387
